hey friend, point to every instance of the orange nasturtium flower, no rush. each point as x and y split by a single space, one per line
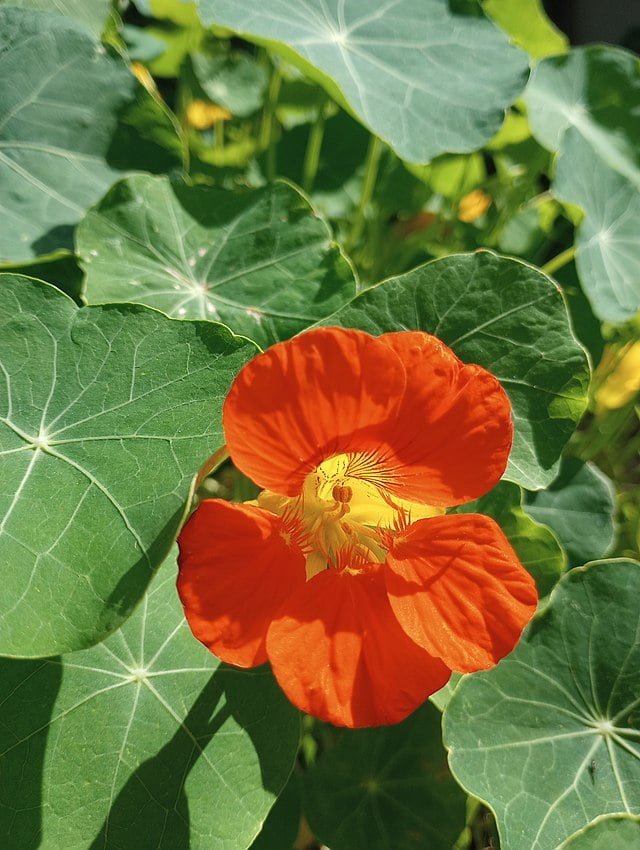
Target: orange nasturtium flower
345 573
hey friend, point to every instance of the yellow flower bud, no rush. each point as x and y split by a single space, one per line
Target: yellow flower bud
201 115
473 205
623 383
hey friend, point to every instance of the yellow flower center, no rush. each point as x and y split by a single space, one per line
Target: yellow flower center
343 515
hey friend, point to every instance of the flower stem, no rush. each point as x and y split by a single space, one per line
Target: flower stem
312 153
372 164
559 261
266 137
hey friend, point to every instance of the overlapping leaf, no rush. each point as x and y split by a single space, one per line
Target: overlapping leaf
422 76
72 119
606 833
550 738
505 316
106 414
92 14
144 741
579 507
262 261
587 106
377 789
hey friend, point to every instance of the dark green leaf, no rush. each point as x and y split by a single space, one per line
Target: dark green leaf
262 261
106 414
72 119
579 507
506 316
145 741
386 789
550 738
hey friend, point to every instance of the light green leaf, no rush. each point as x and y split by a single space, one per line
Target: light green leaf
233 80
550 738
60 269
144 741
376 789
72 119
535 545
91 14
106 414
506 316
587 106
526 22
608 832
421 76
262 261
579 507
182 12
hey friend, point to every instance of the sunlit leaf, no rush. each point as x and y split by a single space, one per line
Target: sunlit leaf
506 316
550 738
579 507
261 261
528 25
606 833
423 76
376 789
145 741
73 118
106 414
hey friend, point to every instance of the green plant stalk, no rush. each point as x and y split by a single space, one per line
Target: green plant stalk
266 140
312 153
562 259
372 164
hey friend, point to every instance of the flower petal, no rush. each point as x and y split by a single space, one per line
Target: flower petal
451 440
340 655
459 590
235 572
322 393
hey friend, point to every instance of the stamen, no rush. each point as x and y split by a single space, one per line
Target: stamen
342 493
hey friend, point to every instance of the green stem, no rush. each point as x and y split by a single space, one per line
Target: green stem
218 135
372 164
559 261
312 153
266 137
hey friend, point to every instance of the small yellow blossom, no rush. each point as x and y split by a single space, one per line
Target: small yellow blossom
623 382
144 77
201 115
473 205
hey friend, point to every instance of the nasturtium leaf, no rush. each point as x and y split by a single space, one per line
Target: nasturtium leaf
262 261
281 827
579 507
506 316
608 832
92 14
376 789
526 22
144 741
106 414
73 118
550 738
535 545
234 80
422 76
60 269
587 106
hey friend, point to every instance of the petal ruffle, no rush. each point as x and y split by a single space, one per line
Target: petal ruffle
451 439
340 655
459 590
236 569
326 392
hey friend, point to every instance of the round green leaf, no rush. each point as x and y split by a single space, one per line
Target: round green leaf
106 414
234 80
144 741
587 106
508 317
72 119
377 789
535 545
262 261
92 14
526 22
422 76
579 507
550 738
608 832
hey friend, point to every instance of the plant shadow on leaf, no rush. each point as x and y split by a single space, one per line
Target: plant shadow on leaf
153 802
26 821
